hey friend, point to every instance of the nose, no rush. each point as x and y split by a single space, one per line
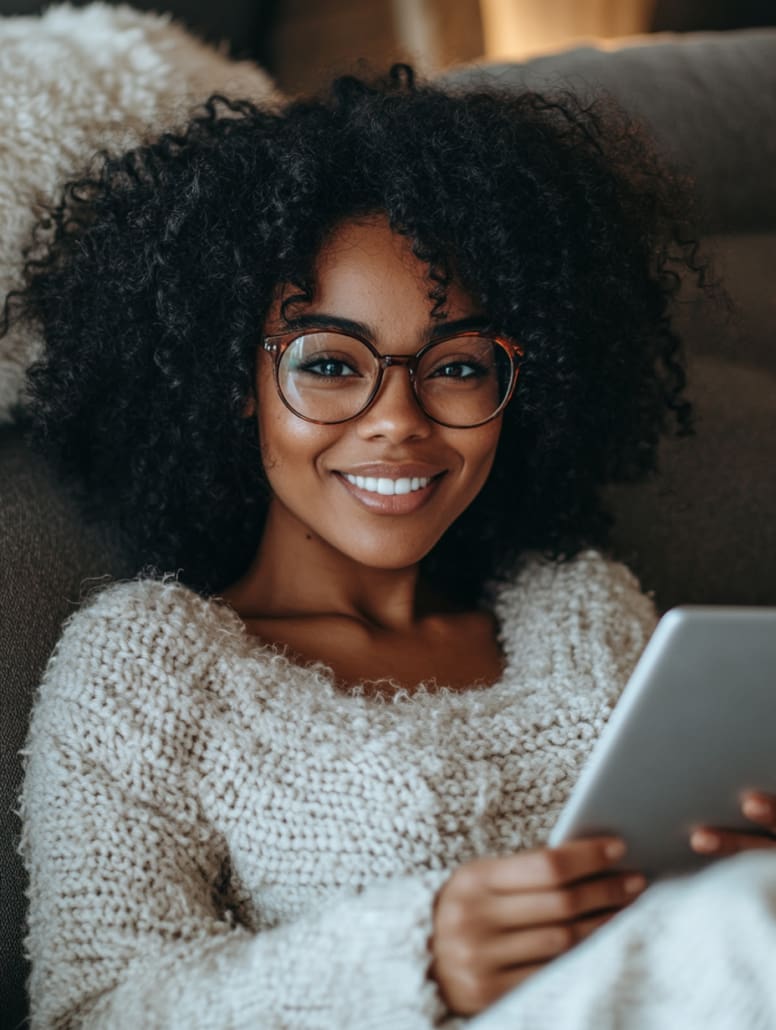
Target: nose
395 413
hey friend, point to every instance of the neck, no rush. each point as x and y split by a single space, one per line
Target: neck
296 573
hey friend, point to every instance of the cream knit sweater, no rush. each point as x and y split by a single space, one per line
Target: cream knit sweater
217 837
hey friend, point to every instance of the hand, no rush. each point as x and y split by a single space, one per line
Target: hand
760 808
499 920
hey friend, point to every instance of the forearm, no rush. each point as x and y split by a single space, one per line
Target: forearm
360 962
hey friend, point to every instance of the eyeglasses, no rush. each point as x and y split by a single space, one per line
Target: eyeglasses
328 376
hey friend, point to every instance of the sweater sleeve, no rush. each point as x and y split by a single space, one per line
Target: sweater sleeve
126 924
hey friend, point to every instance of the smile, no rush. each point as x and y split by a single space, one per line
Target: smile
386 495
388 487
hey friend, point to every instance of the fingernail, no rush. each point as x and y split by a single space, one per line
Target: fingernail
615 849
702 840
756 809
634 884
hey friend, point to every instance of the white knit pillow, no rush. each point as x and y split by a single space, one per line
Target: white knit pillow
72 82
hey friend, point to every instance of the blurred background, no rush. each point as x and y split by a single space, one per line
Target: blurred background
303 42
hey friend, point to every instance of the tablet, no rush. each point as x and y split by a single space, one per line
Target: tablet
695 725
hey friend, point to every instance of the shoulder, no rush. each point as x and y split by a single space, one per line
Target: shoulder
140 631
591 599
589 581
133 679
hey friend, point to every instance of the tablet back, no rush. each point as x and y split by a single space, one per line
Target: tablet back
695 726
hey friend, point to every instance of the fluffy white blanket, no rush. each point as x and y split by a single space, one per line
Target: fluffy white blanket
72 82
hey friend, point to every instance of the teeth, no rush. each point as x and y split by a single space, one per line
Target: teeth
388 487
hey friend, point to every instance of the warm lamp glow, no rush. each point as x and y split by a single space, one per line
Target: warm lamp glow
522 28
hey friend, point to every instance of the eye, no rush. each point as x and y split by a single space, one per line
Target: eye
329 368
458 370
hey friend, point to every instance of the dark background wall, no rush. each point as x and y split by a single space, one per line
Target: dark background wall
695 15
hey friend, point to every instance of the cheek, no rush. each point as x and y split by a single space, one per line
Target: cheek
276 433
285 441
290 447
480 451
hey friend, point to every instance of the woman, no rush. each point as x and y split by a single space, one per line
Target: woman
354 372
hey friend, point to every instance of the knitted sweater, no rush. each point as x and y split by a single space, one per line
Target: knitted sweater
218 837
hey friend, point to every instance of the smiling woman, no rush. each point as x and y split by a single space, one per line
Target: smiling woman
355 372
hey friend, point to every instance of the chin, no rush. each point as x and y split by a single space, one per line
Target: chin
386 563
383 556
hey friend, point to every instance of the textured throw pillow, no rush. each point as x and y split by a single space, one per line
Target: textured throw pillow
73 82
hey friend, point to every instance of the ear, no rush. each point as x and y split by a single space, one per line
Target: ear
249 409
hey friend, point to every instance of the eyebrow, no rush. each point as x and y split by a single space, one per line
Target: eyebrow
348 325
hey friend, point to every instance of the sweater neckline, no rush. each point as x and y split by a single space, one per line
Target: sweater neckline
388 692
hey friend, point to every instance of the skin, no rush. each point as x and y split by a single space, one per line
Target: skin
333 580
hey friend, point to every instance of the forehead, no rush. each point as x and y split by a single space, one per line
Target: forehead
367 272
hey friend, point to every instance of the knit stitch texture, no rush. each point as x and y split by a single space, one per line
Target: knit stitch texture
219 837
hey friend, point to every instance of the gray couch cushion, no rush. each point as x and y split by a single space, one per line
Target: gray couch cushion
46 555
746 264
708 98
703 531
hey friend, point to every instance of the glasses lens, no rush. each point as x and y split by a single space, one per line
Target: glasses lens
327 377
464 381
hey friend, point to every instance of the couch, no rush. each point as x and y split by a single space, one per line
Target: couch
703 530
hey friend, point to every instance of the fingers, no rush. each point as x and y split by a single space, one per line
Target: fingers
498 920
499 968
757 806
549 867
728 842
540 942
535 908
760 808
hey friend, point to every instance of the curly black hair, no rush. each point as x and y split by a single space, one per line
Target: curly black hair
153 275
